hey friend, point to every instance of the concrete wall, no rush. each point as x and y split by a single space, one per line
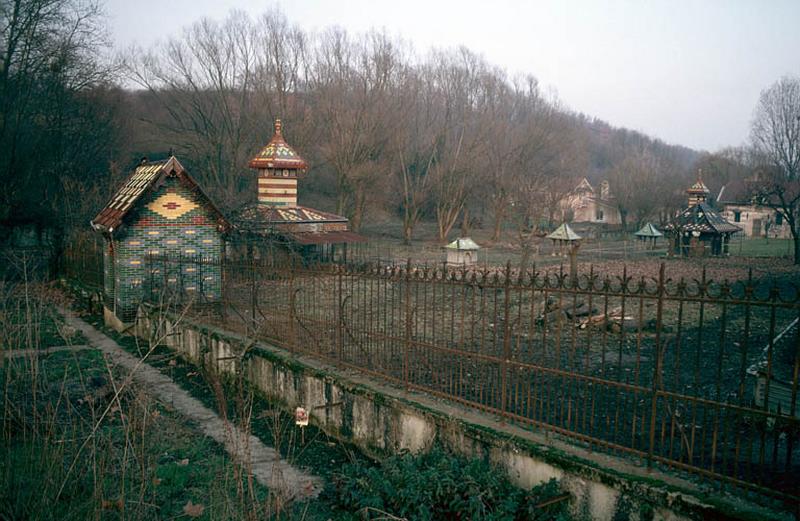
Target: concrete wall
381 420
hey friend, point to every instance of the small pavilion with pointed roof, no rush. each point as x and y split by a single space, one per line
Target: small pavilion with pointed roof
277 216
564 236
158 211
699 227
649 235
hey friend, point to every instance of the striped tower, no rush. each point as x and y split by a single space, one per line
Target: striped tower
698 192
279 167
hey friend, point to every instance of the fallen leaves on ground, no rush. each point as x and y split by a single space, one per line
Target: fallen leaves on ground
192 510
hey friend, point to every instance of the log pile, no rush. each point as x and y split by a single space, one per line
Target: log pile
583 316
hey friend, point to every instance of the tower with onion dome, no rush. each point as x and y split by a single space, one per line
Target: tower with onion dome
278 217
279 167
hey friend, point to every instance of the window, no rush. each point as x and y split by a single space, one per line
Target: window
778 219
737 217
599 215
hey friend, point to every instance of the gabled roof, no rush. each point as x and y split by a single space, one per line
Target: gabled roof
584 186
278 154
463 243
701 218
143 178
564 233
736 191
649 230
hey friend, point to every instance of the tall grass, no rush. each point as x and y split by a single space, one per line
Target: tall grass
80 440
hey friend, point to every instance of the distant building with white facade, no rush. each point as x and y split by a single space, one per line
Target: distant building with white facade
735 201
584 204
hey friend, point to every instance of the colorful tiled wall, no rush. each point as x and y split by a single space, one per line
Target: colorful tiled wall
170 221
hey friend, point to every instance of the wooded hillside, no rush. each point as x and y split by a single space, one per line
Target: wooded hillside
391 132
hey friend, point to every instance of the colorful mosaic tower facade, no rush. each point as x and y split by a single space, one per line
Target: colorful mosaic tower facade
159 213
279 167
278 219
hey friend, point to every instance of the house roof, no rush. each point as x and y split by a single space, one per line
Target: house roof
701 218
463 243
263 214
144 177
584 186
277 154
564 233
735 191
649 230
272 221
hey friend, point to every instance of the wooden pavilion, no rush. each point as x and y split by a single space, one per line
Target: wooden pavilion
699 229
564 238
648 235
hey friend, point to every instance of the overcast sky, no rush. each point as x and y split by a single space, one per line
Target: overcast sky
687 72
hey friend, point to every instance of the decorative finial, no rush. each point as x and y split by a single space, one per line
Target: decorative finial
278 127
700 174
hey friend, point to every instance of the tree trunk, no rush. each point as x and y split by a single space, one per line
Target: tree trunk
499 217
408 230
359 207
342 194
526 255
446 218
794 229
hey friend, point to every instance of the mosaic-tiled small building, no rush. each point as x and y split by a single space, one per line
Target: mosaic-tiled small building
315 234
159 212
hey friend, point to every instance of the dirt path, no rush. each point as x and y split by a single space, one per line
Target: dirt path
265 462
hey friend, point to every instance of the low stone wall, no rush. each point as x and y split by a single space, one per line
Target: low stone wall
382 419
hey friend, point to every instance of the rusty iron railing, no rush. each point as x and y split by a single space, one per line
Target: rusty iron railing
694 375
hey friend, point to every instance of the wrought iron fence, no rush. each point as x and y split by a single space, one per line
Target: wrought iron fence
82 260
696 375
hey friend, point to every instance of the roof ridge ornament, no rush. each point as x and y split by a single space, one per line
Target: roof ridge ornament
277 155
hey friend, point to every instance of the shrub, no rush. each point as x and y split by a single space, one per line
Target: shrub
439 485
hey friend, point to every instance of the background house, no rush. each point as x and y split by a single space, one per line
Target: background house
736 204
584 204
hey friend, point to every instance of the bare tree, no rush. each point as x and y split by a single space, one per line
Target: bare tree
462 79
633 183
355 86
56 104
414 144
775 135
207 83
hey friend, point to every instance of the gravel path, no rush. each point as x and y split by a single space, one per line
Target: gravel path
264 462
